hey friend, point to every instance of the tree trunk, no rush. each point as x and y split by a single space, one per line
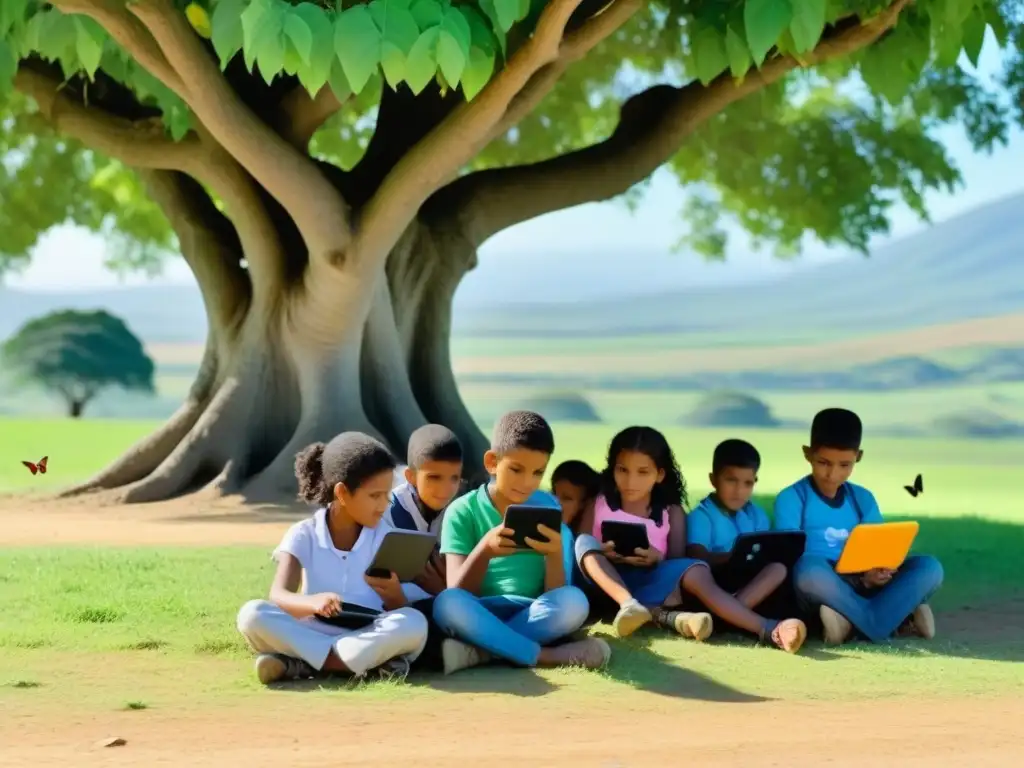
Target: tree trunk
283 376
75 408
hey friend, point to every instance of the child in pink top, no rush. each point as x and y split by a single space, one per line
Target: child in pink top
642 484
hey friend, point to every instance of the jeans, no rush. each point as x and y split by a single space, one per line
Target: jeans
508 626
878 613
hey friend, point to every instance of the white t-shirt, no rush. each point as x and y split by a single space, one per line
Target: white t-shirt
328 569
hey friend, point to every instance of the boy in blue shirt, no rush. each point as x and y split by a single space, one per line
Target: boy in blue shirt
827 507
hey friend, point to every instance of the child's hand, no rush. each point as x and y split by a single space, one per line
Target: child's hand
389 590
499 541
432 579
645 558
325 604
876 577
608 548
550 545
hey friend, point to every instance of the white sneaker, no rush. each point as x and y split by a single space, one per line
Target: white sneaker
837 628
630 618
275 668
458 655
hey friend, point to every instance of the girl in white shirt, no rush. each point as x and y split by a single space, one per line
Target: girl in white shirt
321 567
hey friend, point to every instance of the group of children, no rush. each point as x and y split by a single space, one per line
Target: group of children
482 599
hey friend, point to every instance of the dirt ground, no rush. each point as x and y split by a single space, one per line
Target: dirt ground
637 729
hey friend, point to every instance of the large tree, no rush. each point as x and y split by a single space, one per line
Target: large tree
329 171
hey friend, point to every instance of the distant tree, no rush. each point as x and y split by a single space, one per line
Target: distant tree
562 406
731 409
76 354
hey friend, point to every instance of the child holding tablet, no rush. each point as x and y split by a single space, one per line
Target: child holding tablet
327 555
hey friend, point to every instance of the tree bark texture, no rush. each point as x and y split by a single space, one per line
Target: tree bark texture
329 293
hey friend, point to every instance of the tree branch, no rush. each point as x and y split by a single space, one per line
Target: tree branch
303 115
141 144
314 204
652 126
447 148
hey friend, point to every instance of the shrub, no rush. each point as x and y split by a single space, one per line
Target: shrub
731 409
562 406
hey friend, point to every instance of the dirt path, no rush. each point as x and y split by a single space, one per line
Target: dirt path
499 731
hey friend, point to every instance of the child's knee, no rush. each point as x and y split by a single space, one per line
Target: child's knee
570 608
451 608
584 545
775 572
411 624
251 616
931 571
814 579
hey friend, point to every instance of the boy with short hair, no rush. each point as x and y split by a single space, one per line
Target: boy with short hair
575 484
713 526
503 602
827 507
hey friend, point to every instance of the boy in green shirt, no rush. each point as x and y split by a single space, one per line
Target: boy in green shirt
503 602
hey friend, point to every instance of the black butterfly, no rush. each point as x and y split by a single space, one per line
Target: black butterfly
916 488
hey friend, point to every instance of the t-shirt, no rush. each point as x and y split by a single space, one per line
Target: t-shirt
711 527
468 519
404 512
328 569
827 522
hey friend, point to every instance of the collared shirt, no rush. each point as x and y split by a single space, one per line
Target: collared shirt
405 497
325 568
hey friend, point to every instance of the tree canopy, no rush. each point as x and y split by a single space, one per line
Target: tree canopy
328 170
78 354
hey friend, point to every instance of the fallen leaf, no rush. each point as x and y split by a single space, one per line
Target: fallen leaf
117 741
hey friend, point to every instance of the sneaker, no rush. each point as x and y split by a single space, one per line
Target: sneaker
276 668
458 655
394 670
789 635
630 618
693 626
837 627
590 653
921 623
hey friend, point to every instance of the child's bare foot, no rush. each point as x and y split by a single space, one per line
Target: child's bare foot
458 655
789 635
592 653
276 668
837 627
693 626
630 618
921 623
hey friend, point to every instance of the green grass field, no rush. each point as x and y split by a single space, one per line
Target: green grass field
135 604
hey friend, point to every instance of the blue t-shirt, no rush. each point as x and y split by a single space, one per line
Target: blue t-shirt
708 526
827 522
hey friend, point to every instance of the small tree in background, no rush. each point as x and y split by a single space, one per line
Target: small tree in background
78 354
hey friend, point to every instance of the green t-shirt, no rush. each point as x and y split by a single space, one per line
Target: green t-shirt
468 519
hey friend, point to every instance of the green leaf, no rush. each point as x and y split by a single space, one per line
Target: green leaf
508 12
8 67
808 23
89 44
315 72
57 34
737 52
392 61
338 82
270 52
450 57
253 19
428 13
480 33
491 12
398 27
974 35
765 21
456 25
226 30
357 43
299 33
478 71
421 64
709 54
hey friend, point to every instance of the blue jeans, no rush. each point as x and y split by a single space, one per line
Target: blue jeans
648 586
508 626
877 613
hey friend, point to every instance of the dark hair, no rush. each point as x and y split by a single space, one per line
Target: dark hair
735 453
433 442
351 458
650 442
522 429
836 428
580 474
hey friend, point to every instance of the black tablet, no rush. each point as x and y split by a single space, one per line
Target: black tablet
753 551
523 521
352 616
628 537
404 553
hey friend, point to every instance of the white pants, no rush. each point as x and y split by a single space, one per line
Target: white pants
268 629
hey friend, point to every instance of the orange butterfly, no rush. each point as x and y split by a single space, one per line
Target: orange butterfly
40 467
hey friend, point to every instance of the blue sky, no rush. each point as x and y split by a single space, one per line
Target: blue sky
601 233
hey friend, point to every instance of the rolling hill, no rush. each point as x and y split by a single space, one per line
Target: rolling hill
967 267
